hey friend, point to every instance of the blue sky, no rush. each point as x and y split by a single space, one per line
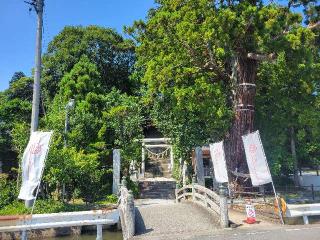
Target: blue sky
18 25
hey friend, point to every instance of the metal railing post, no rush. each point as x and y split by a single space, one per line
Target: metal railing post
224 218
99 232
176 192
143 164
24 235
193 190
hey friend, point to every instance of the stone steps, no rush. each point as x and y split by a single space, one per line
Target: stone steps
158 196
166 174
155 169
164 189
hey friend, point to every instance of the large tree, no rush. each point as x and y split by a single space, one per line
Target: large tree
219 44
112 55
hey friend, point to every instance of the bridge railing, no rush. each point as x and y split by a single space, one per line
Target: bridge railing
25 223
214 202
127 211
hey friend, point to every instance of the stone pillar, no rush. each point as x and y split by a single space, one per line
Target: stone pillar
199 166
224 217
130 216
127 211
143 164
171 158
116 171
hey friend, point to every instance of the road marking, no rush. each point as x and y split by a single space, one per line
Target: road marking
299 229
261 232
294 229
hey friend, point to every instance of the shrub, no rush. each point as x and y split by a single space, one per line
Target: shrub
133 186
7 190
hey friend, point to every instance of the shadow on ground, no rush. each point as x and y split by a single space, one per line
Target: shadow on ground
140 225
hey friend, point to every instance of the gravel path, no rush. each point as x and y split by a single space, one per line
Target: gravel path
164 219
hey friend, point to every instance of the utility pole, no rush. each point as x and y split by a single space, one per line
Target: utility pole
38 7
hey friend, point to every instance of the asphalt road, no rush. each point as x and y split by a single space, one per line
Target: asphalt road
287 233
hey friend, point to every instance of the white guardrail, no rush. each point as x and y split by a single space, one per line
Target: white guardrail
24 223
303 210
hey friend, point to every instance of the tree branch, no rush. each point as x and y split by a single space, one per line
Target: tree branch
313 26
213 65
261 57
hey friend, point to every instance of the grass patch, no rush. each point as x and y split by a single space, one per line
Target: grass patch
52 206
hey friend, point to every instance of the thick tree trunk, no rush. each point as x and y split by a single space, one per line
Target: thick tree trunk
246 72
294 157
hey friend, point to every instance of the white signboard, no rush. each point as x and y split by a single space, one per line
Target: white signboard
33 163
256 159
251 213
219 162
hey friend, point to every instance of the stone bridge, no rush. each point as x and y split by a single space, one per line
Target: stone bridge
164 219
163 211
194 211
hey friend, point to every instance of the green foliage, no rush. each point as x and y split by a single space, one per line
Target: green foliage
101 120
43 206
81 80
20 137
21 88
16 76
15 108
112 198
112 55
287 99
133 186
188 102
8 191
185 54
81 172
14 208
123 119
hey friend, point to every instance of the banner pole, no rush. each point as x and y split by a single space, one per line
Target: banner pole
224 156
44 164
274 190
277 201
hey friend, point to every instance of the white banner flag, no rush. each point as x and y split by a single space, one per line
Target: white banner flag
256 159
33 163
219 162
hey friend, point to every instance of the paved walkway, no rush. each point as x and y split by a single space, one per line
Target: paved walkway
237 218
163 219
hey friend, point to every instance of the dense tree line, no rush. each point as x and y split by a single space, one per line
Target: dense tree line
91 65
